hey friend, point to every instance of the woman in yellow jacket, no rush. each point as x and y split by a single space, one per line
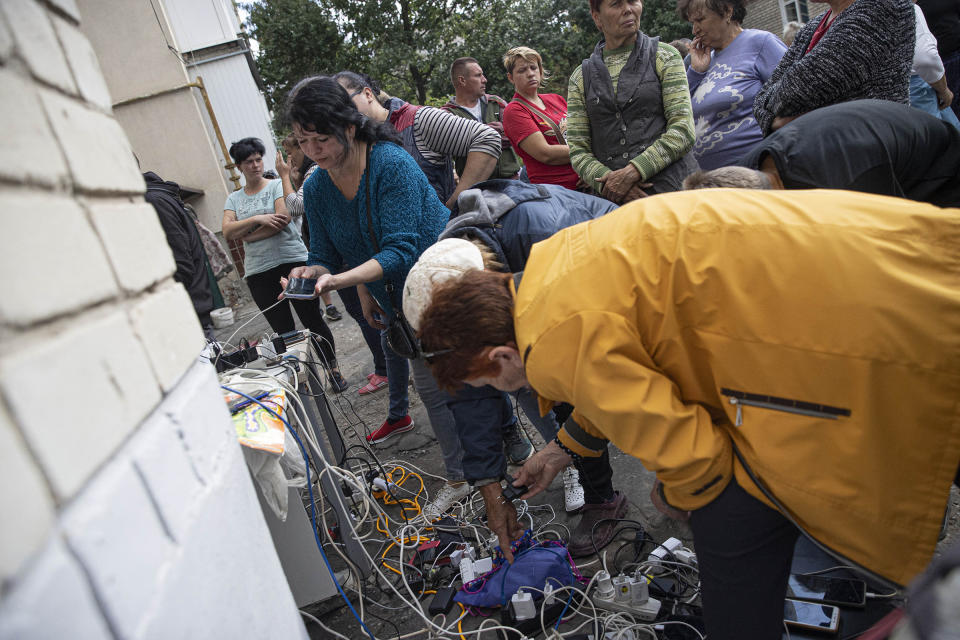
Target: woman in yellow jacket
780 360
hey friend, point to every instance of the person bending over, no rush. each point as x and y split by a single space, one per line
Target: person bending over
872 146
770 356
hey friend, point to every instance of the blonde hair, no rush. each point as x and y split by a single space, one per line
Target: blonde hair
511 57
490 261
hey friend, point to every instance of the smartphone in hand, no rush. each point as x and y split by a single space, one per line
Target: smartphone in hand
301 288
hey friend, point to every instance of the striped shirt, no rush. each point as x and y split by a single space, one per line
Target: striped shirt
675 142
439 134
294 201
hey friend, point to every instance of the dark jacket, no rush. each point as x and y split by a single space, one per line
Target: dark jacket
508 216
184 241
873 146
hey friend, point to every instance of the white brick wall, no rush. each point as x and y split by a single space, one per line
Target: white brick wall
134 241
128 511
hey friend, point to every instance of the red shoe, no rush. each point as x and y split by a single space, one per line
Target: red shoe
375 384
391 428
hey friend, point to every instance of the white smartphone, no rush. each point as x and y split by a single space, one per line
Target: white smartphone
812 616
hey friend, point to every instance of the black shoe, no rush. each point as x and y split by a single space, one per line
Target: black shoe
337 383
332 313
581 542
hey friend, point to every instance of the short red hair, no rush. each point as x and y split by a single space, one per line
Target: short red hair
467 315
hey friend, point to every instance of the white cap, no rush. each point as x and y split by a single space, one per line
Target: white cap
443 261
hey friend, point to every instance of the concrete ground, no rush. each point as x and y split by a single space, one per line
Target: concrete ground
357 415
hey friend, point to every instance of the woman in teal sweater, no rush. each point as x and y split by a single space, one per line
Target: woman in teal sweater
358 158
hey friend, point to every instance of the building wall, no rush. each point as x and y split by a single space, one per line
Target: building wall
241 109
139 55
764 15
202 23
128 511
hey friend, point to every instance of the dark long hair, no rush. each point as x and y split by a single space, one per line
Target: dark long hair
358 82
319 104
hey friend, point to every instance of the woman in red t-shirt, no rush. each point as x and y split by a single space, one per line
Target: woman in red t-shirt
536 123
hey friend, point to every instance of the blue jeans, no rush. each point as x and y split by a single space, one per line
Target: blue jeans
351 302
923 97
434 399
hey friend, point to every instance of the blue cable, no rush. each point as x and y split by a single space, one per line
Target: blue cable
313 512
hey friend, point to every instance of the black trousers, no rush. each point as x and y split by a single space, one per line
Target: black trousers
744 550
265 287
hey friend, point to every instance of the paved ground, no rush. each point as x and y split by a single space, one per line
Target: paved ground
359 414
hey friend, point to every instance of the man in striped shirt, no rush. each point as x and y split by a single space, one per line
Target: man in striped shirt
629 123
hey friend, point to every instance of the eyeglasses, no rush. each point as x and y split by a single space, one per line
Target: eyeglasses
430 355
356 93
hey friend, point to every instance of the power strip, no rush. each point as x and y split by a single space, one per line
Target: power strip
625 594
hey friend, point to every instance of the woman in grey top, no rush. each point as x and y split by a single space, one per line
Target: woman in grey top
858 49
257 215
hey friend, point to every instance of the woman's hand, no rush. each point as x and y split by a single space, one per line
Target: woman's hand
616 185
371 309
539 471
501 518
283 168
944 98
301 272
699 56
274 220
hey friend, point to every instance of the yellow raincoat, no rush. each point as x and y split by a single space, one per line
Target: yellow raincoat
819 331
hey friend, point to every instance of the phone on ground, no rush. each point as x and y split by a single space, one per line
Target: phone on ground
811 616
844 592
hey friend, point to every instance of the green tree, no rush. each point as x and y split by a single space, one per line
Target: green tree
297 38
408 45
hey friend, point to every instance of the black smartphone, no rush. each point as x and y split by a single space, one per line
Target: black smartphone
301 288
845 592
811 616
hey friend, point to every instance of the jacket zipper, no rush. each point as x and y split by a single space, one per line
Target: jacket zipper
773 403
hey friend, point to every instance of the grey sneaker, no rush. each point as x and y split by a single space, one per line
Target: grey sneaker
587 539
516 445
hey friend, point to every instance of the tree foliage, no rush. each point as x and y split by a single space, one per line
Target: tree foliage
408 45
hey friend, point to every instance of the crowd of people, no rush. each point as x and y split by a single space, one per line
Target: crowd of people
769 355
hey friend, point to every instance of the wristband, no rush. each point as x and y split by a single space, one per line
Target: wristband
576 456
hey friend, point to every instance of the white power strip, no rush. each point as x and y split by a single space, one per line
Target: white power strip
625 594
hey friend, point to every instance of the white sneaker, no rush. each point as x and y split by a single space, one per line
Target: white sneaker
448 494
573 499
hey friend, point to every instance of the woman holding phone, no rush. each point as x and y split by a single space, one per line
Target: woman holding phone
371 208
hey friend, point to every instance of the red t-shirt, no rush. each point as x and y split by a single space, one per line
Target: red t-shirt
519 122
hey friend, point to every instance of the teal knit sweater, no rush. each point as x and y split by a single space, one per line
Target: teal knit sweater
407 218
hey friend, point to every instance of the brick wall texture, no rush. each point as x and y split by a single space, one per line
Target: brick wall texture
127 508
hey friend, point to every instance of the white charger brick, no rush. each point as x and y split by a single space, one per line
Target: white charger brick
26 502
83 62
31 153
208 577
52 601
160 458
97 150
66 252
36 42
135 243
118 537
167 325
203 422
78 395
